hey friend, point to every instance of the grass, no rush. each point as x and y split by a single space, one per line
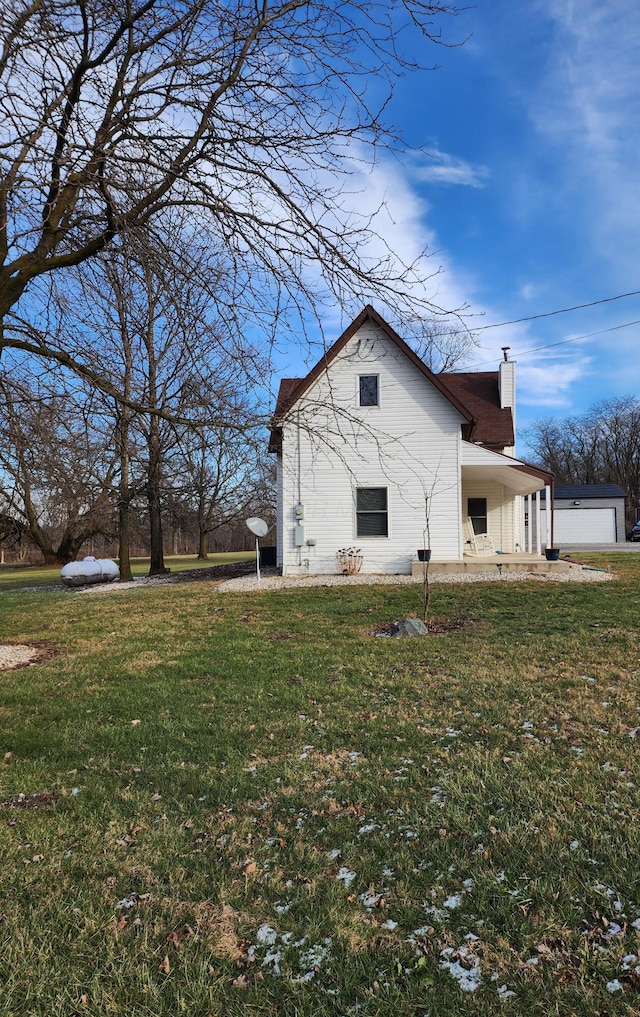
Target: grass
257 806
20 577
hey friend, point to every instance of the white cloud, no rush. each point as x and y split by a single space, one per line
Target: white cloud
440 168
588 106
529 290
550 382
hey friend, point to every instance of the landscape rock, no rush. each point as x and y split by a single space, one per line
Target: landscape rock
408 627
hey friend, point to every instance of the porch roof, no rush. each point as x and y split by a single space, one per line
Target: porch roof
479 463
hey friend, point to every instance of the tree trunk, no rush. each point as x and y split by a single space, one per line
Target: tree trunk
124 500
203 547
157 566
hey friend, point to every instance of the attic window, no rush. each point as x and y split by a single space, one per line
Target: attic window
368 390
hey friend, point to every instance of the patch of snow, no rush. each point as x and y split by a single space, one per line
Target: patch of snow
452 902
346 876
312 960
614 986
368 828
630 961
266 935
390 924
574 845
463 966
504 992
127 902
370 899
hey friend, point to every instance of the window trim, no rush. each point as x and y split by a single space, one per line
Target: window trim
386 512
367 406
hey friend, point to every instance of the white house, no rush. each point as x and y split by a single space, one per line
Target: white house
378 453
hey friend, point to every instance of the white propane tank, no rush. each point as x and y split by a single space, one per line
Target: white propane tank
89 570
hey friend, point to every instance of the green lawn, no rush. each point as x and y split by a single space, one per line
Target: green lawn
20 577
251 804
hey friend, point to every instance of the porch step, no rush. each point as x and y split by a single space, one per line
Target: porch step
509 563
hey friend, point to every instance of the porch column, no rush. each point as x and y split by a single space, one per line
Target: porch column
528 509
538 524
549 505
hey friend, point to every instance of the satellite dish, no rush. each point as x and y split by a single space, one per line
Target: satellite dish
258 526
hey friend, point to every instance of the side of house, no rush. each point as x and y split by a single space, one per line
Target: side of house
377 453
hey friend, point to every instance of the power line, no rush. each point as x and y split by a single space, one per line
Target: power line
562 310
563 342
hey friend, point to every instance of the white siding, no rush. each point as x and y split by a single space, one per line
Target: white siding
279 505
500 511
409 444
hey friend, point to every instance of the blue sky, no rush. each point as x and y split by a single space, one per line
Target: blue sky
530 196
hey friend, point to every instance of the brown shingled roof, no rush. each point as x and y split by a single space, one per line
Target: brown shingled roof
478 390
285 400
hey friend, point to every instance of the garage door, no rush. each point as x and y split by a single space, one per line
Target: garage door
584 526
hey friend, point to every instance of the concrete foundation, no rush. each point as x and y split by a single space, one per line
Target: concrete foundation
507 563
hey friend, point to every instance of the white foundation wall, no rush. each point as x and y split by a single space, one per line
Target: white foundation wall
409 444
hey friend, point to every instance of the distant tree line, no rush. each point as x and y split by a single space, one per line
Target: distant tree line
600 447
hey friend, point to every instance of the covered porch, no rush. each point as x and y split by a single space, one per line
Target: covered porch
500 497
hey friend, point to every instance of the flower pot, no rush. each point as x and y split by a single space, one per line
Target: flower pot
424 554
552 553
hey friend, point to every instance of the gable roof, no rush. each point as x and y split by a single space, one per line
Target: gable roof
291 389
479 391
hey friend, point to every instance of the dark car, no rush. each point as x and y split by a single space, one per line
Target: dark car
635 532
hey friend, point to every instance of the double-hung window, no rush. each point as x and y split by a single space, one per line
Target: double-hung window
372 513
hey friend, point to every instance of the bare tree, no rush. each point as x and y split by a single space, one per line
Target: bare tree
250 113
149 324
58 469
222 475
600 447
